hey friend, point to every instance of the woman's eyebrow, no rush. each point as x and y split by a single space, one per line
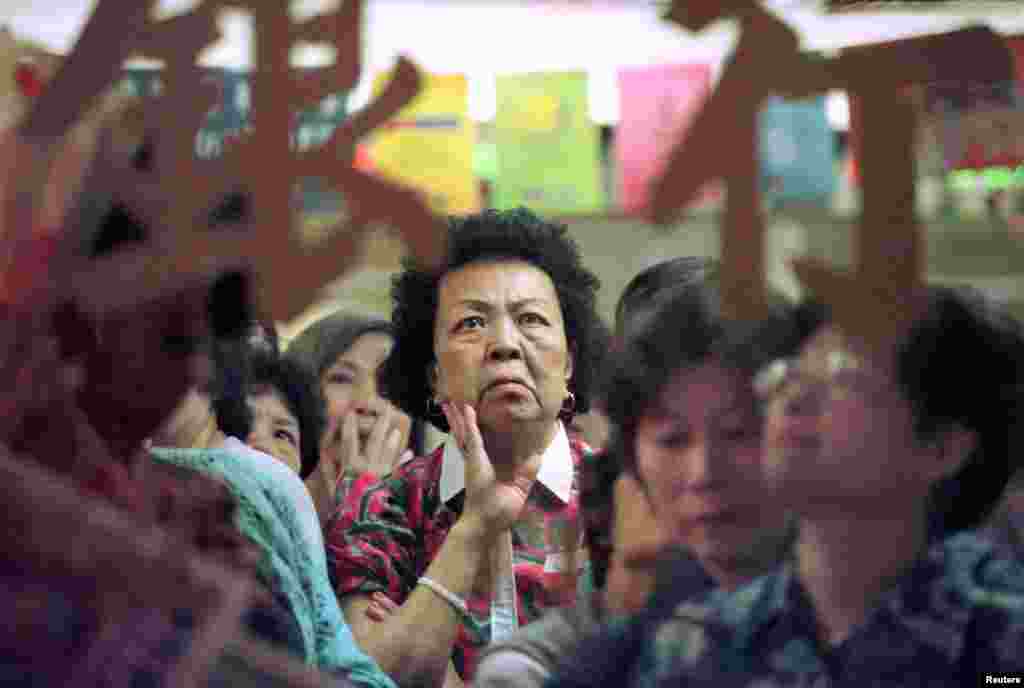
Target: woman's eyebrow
485 306
739 407
286 421
662 415
534 301
475 304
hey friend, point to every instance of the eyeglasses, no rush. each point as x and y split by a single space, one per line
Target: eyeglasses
845 374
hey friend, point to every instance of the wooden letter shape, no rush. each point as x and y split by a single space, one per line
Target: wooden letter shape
286 274
881 297
723 144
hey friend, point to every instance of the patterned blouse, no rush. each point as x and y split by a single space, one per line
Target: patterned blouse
386 536
956 618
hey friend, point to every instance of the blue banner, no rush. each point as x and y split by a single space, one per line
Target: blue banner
798 151
231 117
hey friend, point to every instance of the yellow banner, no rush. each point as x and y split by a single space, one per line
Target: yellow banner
429 144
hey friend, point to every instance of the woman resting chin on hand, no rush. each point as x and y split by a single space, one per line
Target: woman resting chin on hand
366 436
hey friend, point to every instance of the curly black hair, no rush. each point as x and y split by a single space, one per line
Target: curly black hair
490 236
254 369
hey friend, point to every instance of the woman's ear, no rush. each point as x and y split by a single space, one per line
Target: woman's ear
952 447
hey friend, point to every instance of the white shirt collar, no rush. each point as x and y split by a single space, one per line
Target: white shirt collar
556 468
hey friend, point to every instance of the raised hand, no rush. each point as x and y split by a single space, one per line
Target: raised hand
383 448
493 504
639 541
341 454
381 608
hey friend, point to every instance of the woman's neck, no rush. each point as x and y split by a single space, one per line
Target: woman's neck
519 452
771 547
733 574
846 565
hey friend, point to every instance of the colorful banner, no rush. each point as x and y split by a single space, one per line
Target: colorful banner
798 151
980 125
548 151
657 105
429 144
231 117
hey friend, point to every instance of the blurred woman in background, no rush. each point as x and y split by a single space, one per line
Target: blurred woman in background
365 435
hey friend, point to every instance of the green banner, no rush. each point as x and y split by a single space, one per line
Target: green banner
548 151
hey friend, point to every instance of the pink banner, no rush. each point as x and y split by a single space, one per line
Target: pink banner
657 105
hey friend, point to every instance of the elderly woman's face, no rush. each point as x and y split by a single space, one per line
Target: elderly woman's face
500 344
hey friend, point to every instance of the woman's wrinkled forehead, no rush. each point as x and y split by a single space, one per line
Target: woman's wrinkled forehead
500 280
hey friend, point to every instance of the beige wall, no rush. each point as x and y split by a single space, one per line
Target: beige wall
979 253
619 249
614 248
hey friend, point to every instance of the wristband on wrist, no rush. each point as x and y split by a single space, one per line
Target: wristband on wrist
447 595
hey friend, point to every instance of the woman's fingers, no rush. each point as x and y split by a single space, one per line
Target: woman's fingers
454 419
400 426
386 602
392 449
375 444
350 444
473 441
478 469
329 467
402 421
636 529
375 613
331 439
381 607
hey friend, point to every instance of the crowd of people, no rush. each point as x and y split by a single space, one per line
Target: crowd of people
776 503
675 498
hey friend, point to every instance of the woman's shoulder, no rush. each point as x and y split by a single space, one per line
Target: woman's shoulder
984 573
417 475
977 586
549 638
411 489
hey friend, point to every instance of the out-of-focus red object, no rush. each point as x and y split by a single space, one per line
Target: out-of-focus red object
29 265
27 77
364 160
